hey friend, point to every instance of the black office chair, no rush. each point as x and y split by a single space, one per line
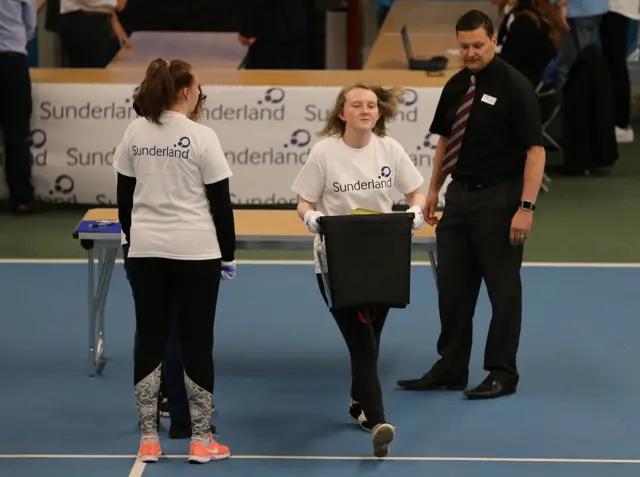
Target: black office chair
549 108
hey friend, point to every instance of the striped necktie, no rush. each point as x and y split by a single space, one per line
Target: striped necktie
457 131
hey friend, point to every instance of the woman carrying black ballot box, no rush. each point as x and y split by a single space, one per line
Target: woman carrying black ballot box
175 209
357 166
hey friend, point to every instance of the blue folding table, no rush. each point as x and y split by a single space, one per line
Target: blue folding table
99 233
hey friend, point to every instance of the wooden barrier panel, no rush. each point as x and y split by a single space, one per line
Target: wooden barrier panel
243 77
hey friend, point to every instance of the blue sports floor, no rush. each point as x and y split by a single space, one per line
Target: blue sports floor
282 382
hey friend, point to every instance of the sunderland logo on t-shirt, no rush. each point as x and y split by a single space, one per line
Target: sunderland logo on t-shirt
179 149
381 182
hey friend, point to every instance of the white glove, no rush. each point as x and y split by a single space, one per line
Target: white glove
418 218
311 220
229 270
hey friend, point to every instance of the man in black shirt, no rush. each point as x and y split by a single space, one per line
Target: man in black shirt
490 142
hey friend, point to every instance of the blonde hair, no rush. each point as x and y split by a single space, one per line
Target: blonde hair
388 101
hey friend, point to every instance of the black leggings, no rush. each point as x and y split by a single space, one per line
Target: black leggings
161 286
362 333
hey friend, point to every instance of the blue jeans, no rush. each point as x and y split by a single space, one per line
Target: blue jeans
583 32
172 366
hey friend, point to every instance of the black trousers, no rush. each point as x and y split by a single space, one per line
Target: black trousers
361 333
160 287
473 244
15 124
614 30
277 56
87 39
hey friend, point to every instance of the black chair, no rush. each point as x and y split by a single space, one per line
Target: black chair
365 260
549 108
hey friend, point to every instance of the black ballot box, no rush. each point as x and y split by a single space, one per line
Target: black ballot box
365 259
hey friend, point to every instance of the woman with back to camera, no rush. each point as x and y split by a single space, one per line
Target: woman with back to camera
357 148
175 209
530 36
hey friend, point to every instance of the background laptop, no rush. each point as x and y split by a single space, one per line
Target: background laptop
436 63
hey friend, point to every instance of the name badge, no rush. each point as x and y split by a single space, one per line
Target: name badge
488 99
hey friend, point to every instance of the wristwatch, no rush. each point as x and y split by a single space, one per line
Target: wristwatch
526 205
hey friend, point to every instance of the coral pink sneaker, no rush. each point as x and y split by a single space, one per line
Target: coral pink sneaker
206 450
149 450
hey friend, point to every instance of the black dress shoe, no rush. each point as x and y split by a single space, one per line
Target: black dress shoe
34 207
429 382
490 388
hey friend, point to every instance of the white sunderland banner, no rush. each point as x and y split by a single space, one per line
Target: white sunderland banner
266 133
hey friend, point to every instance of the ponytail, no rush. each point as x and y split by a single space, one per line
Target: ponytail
159 89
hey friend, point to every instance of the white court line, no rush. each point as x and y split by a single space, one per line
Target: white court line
83 261
340 458
137 469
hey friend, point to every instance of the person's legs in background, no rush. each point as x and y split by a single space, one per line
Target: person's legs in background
614 31
582 33
15 124
265 55
87 39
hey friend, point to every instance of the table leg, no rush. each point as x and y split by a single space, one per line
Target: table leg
92 322
97 305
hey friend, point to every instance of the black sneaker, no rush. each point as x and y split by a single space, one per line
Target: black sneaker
357 414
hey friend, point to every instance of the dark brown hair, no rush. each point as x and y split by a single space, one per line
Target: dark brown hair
388 99
159 89
544 11
474 19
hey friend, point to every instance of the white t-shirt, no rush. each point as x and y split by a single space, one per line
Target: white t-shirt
171 164
339 178
627 8
100 6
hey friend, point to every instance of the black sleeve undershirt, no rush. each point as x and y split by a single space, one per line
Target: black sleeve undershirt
126 188
219 199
